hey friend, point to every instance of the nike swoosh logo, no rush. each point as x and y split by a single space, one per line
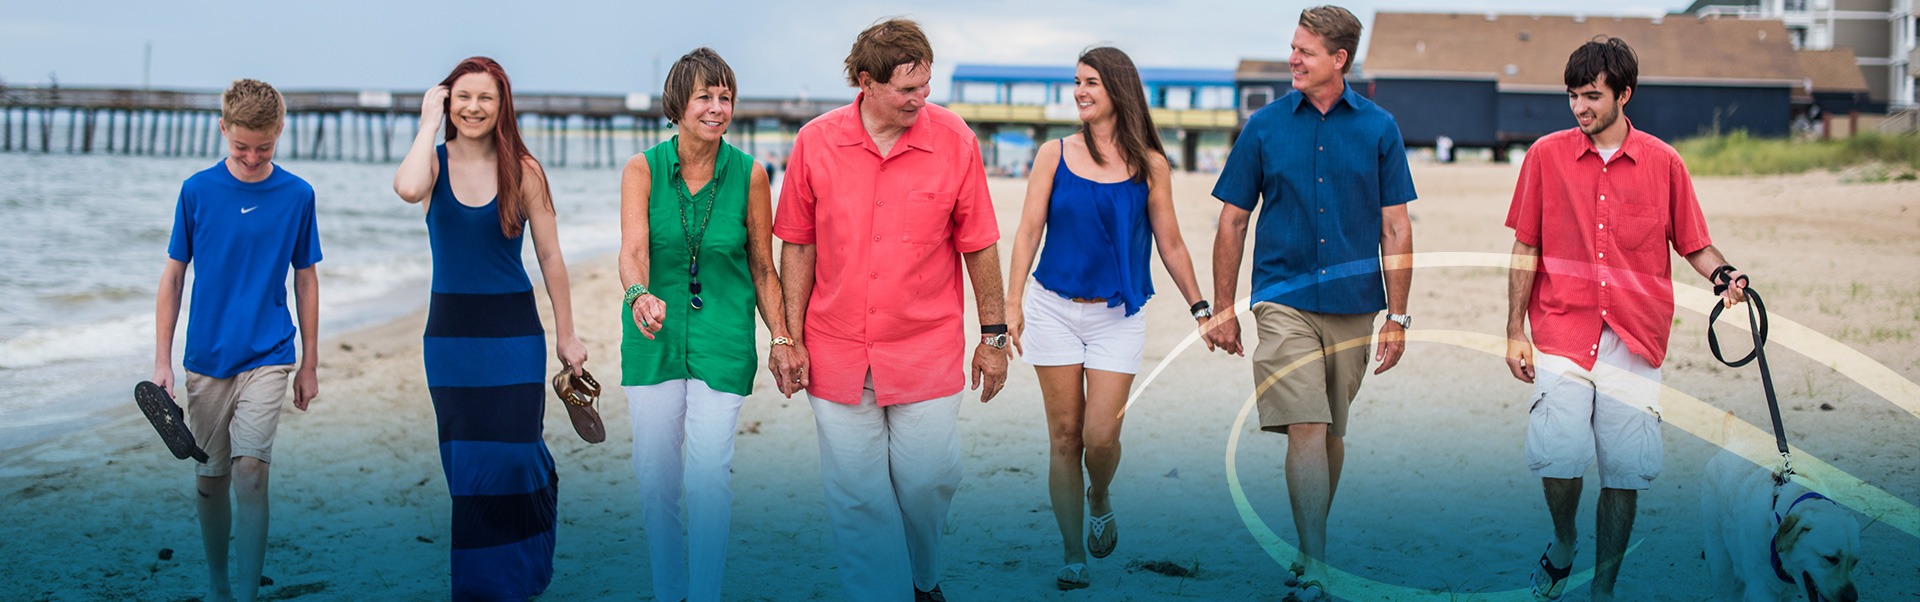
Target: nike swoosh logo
244 211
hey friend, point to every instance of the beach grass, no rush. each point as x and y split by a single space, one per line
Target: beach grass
1881 157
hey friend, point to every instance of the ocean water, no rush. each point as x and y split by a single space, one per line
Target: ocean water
85 240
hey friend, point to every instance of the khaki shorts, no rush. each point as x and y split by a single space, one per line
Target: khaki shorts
1610 413
1308 365
233 417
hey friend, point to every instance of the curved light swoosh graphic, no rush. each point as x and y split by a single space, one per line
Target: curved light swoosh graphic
1684 411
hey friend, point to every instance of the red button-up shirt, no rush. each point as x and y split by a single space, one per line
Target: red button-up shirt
1603 228
888 232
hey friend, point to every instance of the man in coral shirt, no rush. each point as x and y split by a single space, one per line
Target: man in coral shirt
883 198
1593 214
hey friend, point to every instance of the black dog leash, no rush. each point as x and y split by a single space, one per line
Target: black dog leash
1757 323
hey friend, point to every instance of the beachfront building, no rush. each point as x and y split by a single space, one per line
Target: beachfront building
1883 36
1501 75
1834 83
1013 107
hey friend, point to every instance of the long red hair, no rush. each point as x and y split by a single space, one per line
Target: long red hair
510 151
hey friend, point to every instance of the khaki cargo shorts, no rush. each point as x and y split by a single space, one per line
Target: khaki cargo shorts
233 417
1308 365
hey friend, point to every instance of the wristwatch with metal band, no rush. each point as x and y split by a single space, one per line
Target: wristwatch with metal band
1404 320
996 341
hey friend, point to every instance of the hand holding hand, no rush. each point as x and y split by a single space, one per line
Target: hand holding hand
782 361
1223 332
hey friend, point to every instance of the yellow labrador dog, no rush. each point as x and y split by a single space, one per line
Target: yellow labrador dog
1765 541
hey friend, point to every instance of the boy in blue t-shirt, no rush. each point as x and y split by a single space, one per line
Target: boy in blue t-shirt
245 221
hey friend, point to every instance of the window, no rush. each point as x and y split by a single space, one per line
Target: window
979 92
1216 98
1028 93
1254 97
1178 98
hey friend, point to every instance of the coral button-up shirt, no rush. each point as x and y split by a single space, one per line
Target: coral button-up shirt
888 232
1603 228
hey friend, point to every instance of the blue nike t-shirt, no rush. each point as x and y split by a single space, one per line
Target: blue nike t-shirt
240 238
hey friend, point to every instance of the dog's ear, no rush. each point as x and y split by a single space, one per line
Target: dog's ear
1789 532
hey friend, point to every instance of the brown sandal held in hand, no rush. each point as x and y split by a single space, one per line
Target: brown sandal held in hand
579 394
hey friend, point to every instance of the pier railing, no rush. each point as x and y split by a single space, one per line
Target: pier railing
355 125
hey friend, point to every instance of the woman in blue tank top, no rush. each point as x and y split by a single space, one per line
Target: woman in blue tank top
1102 199
484 346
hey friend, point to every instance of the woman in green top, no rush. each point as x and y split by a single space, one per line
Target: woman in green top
696 225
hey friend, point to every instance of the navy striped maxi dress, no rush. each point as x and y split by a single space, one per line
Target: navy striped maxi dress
486 361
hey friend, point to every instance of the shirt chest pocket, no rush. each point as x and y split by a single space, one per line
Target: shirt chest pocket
1639 225
927 217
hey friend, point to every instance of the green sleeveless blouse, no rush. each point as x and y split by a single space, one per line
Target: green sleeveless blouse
715 344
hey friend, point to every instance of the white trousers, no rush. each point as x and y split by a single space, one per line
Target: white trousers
669 419
890 474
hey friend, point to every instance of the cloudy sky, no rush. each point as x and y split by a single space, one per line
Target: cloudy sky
777 48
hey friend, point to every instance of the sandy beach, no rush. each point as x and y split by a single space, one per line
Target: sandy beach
1436 495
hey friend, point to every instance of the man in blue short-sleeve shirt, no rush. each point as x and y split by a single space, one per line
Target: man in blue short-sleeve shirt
1328 173
241 224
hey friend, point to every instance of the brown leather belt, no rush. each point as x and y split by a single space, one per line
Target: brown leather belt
1086 300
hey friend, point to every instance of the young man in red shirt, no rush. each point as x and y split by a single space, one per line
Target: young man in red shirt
1593 214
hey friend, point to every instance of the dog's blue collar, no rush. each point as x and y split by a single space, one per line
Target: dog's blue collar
1773 545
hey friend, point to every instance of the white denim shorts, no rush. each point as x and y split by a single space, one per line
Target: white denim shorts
1610 413
1061 332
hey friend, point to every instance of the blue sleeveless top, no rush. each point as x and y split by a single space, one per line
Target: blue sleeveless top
470 254
1098 241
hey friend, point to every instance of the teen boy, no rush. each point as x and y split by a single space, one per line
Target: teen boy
246 221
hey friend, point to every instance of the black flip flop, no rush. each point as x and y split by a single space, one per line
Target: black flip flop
167 418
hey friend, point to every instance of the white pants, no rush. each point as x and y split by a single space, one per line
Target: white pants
665 415
890 474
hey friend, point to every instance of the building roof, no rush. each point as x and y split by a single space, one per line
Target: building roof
1525 52
1257 70
1161 76
1833 70
1700 5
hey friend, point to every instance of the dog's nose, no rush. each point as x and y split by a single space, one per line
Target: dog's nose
1849 594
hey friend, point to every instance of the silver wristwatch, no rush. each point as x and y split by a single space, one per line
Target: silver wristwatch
996 341
1404 320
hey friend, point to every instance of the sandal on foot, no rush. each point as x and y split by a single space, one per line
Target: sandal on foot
1294 573
1550 581
1099 529
1307 591
168 419
1072 576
